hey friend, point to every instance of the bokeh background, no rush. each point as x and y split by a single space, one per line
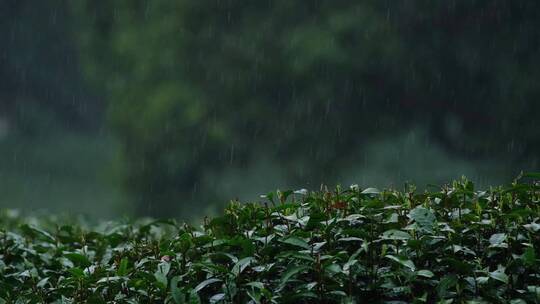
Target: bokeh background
173 108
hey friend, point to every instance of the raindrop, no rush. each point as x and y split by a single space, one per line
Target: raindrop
231 158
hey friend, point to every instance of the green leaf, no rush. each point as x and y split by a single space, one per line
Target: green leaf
217 298
482 280
296 241
185 241
44 281
529 256
534 289
497 240
122 267
109 279
333 268
258 285
425 273
423 217
392 218
177 293
445 284
290 273
499 275
315 219
194 298
78 259
76 272
254 295
534 227
241 265
402 260
205 283
394 234
371 191
37 233
350 239
532 174
161 273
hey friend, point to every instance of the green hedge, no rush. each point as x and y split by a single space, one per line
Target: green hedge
354 245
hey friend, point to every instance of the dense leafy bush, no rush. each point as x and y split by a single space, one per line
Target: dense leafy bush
454 245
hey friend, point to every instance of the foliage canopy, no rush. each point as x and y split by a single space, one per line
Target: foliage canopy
454 245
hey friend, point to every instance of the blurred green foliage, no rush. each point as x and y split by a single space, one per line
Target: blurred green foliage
41 86
62 173
198 86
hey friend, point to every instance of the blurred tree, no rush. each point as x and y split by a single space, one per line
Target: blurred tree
195 86
40 81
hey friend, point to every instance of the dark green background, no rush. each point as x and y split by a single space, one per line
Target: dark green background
169 108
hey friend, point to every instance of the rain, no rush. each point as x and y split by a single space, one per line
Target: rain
268 152
157 108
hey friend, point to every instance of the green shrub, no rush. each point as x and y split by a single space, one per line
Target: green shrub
453 245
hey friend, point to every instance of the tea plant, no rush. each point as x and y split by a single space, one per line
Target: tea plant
453 245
